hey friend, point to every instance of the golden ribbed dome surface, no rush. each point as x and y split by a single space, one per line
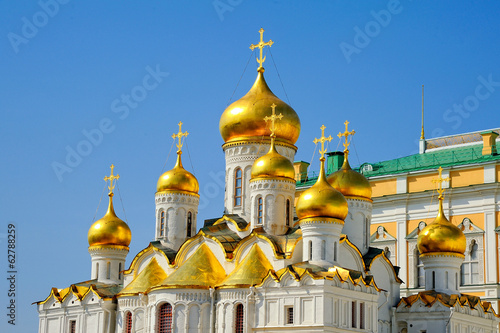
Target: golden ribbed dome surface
178 179
244 119
272 165
441 236
109 230
349 182
321 200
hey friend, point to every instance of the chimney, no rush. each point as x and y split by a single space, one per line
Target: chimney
489 142
300 170
334 161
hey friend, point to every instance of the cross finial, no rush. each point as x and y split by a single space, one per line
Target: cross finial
111 178
261 46
273 118
179 136
440 180
323 139
346 135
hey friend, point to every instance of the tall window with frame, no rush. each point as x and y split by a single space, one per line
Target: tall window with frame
72 326
189 226
420 272
128 322
238 327
260 210
165 318
287 213
289 315
470 267
162 223
238 186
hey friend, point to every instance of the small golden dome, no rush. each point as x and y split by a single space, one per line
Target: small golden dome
272 165
441 236
244 119
350 183
109 230
178 179
322 200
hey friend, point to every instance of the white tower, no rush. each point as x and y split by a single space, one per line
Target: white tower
357 190
272 188
177 202
246 137
109 238
442 247
321 210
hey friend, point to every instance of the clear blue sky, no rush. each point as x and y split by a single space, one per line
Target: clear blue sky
64 73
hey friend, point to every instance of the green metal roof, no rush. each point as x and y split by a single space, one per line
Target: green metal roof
448 157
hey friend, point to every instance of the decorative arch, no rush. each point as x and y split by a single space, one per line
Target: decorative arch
164 318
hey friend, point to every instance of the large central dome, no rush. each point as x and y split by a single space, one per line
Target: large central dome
244 119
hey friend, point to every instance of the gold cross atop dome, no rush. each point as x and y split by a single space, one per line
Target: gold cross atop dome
440 180
179 136
261 46
323 139
273 118
346 135
111 178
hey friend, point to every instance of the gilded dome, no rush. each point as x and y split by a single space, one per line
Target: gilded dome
441 236
321 200
350 183
178 179
109 230
244 119
272 165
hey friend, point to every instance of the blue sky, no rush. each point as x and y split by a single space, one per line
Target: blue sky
65 71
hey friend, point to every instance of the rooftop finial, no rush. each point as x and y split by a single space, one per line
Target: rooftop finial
323 139
179 136
346 135
111 178
440 180
422 137
261 46
273 118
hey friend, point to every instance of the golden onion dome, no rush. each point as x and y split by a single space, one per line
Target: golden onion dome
441 236
350 183
109 230
244 119
178 179
272 165
321 200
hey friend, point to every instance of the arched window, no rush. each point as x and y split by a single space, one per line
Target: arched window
128 322
239 319
287 213
165 318
119 271
310 250
433 280
260 210
189 224
470 266
335 251
162 223
420 271
97 270
238 182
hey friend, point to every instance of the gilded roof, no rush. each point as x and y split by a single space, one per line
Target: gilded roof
150 276
81 289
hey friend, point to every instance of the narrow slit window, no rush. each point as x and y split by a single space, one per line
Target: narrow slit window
310 250
287 213
189 224
289 315
162 223
260 210
362 315
119 271
353 314
238 182
108 270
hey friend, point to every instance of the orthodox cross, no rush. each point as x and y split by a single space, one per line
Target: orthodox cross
111 178
440 180
179 135
273 118
261 46
323 139
346 135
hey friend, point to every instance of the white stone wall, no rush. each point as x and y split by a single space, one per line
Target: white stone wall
107 264
322 237
442 273
357 223
243 155
176 207
274 194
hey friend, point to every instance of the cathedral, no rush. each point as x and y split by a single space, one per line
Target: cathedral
290 253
